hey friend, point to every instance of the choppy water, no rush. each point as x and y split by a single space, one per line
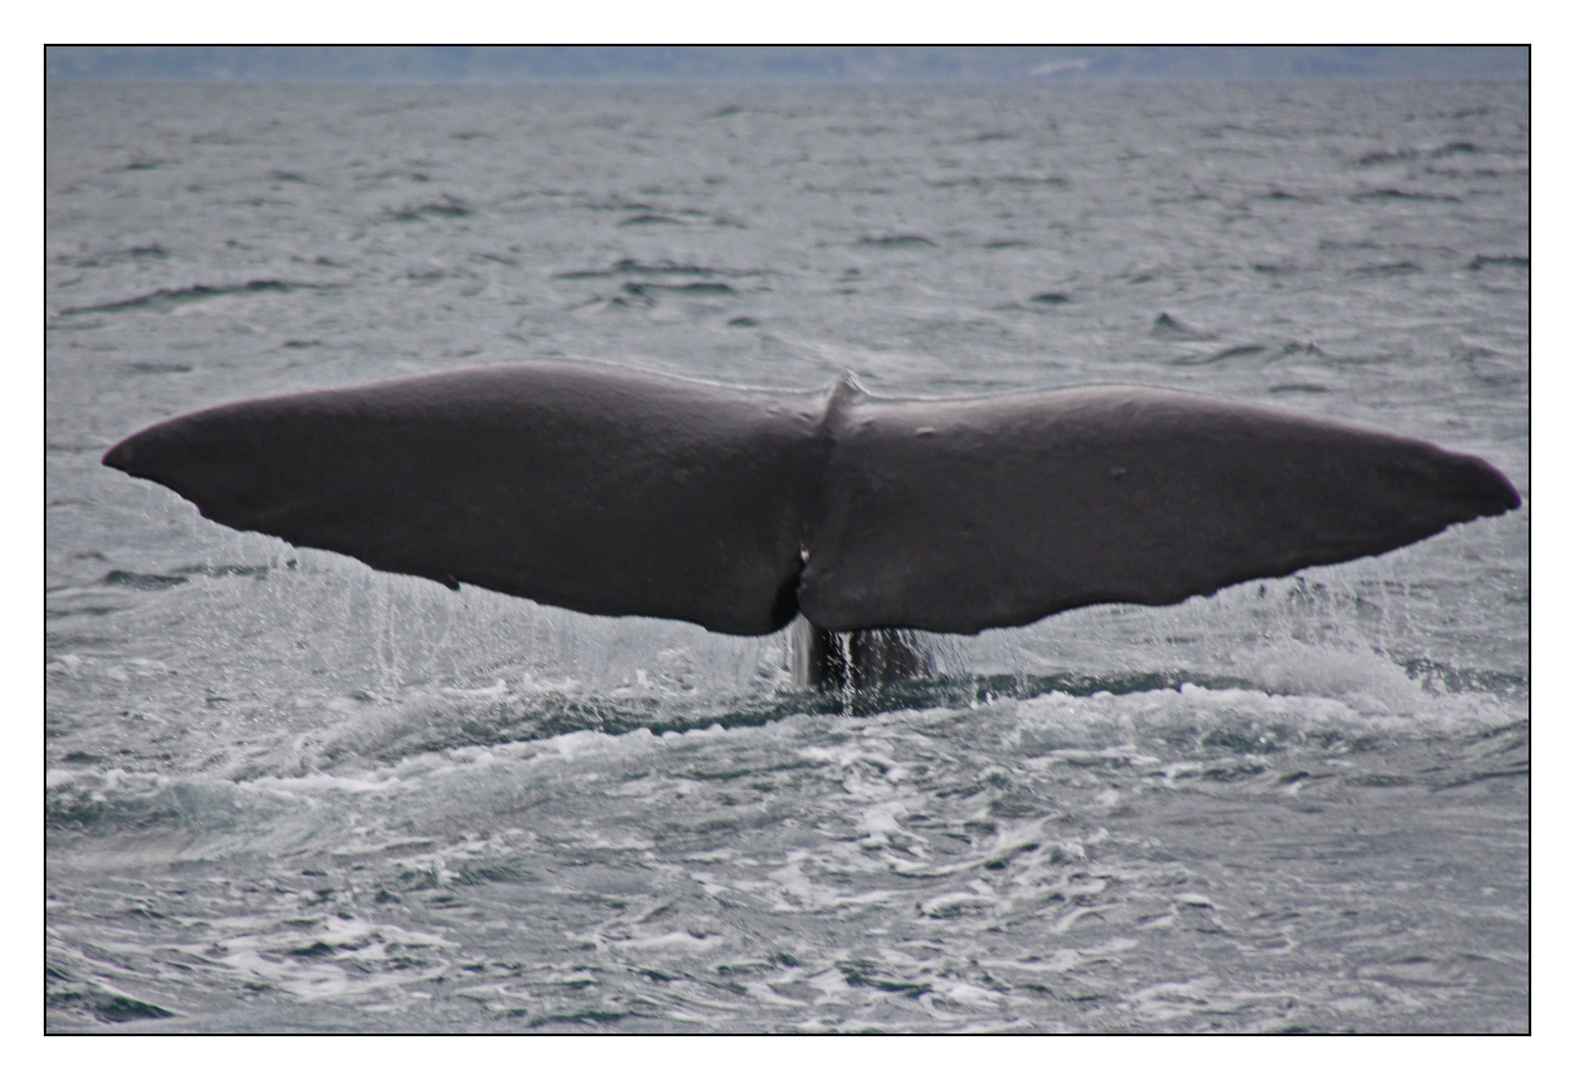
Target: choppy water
287 793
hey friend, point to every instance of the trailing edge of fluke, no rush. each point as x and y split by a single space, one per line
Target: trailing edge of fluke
617 492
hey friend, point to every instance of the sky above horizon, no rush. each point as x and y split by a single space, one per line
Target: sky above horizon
776 64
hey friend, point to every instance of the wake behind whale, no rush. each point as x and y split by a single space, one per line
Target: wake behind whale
617 492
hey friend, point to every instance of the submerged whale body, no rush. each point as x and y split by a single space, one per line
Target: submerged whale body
616 492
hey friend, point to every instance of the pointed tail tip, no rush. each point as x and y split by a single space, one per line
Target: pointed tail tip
1495 494
120 456
139 455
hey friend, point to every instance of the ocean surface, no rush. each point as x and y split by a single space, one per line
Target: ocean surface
287 793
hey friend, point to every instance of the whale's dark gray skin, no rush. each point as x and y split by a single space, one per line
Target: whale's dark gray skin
617 492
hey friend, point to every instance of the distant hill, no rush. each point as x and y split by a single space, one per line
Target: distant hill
775 64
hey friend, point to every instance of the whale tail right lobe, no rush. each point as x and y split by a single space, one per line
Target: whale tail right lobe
958 516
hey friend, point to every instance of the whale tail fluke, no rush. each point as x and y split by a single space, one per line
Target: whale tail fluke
615 492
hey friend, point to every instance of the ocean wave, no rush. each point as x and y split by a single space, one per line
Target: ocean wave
1234 352
1170 328
1517 262
655 268
446 207
168 299
109 258
1009 179
1383 194
155 368
1387 269
652 219
897 240
1283 697
647 289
